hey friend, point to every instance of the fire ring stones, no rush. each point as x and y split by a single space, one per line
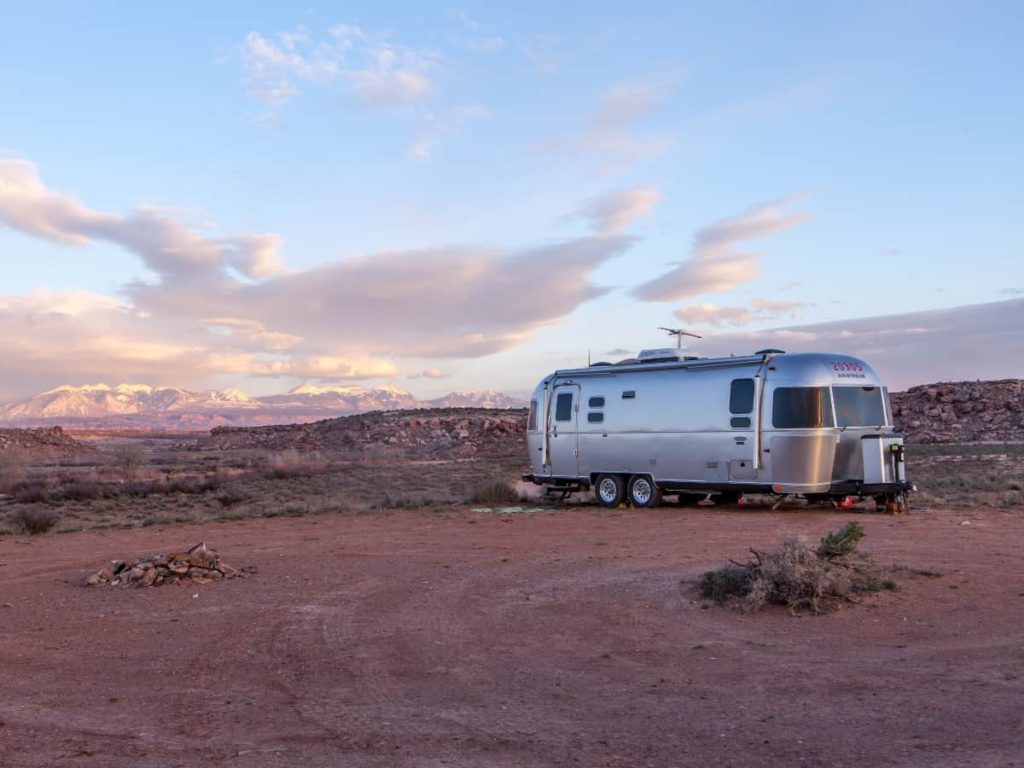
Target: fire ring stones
198 565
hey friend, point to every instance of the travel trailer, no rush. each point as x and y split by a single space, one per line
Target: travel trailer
814 424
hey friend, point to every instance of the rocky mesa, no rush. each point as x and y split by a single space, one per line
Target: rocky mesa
43 443
425 434
961 412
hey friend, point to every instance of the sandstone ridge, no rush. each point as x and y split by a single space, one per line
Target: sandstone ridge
961 412
46 442
426 434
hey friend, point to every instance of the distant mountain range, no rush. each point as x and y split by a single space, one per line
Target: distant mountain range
139 406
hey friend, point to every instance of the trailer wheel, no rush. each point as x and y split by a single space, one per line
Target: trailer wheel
643 492
609 490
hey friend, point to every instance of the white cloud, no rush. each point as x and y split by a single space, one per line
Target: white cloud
376 69
434 125
612 134
715 264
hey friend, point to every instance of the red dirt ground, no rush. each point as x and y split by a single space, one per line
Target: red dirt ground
470 639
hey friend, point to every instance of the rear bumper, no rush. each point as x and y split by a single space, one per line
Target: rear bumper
860 488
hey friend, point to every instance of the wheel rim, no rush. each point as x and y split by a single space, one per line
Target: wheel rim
641 491
608 489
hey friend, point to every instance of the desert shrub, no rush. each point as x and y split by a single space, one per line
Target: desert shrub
30 492
141 489
230 497
798 576
494 492
209 483
34 521
841 543
12 467
187 485
85 490
129 458
728 581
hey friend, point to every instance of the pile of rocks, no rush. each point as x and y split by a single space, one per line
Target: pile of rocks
439 433
961 412
47 442
198 565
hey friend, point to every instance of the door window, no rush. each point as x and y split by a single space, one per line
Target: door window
563 407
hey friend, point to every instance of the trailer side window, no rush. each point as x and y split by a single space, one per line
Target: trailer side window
801 408
532 423
597 402
595 417
563 407
741 396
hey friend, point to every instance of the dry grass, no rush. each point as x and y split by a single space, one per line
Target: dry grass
967 475
34 521
194 486
13 462
798 576
495 492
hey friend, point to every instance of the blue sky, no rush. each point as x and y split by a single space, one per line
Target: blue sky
466 197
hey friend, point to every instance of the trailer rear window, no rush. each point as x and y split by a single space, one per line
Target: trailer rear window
859 406
801 408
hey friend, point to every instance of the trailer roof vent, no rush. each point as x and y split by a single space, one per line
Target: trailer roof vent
770 352
669 355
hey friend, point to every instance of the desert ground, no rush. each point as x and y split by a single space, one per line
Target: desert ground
391 621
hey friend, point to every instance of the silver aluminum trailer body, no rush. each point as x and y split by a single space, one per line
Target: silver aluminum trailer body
817 424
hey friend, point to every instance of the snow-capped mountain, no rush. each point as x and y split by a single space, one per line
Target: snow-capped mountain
144 406
488 398
347 399
98 400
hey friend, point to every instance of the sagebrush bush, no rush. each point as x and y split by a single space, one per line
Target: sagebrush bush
230 496
494 492
34 521
31 492
798 576
129 458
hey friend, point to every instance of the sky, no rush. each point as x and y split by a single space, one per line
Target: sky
459 196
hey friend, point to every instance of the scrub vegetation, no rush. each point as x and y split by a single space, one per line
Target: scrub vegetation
800 577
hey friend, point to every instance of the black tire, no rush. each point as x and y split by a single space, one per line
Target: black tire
643 492
609 490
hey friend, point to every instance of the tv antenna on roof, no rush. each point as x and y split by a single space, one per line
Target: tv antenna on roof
679 333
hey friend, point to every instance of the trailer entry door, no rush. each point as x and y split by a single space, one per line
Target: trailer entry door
742 457
563 419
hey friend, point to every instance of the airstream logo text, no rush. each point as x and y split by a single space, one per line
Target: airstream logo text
848 370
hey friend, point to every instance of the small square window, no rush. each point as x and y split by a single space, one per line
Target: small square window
629 394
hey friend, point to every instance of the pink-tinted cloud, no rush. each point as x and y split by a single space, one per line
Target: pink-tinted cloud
614 212
716 265
759 310
228 306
